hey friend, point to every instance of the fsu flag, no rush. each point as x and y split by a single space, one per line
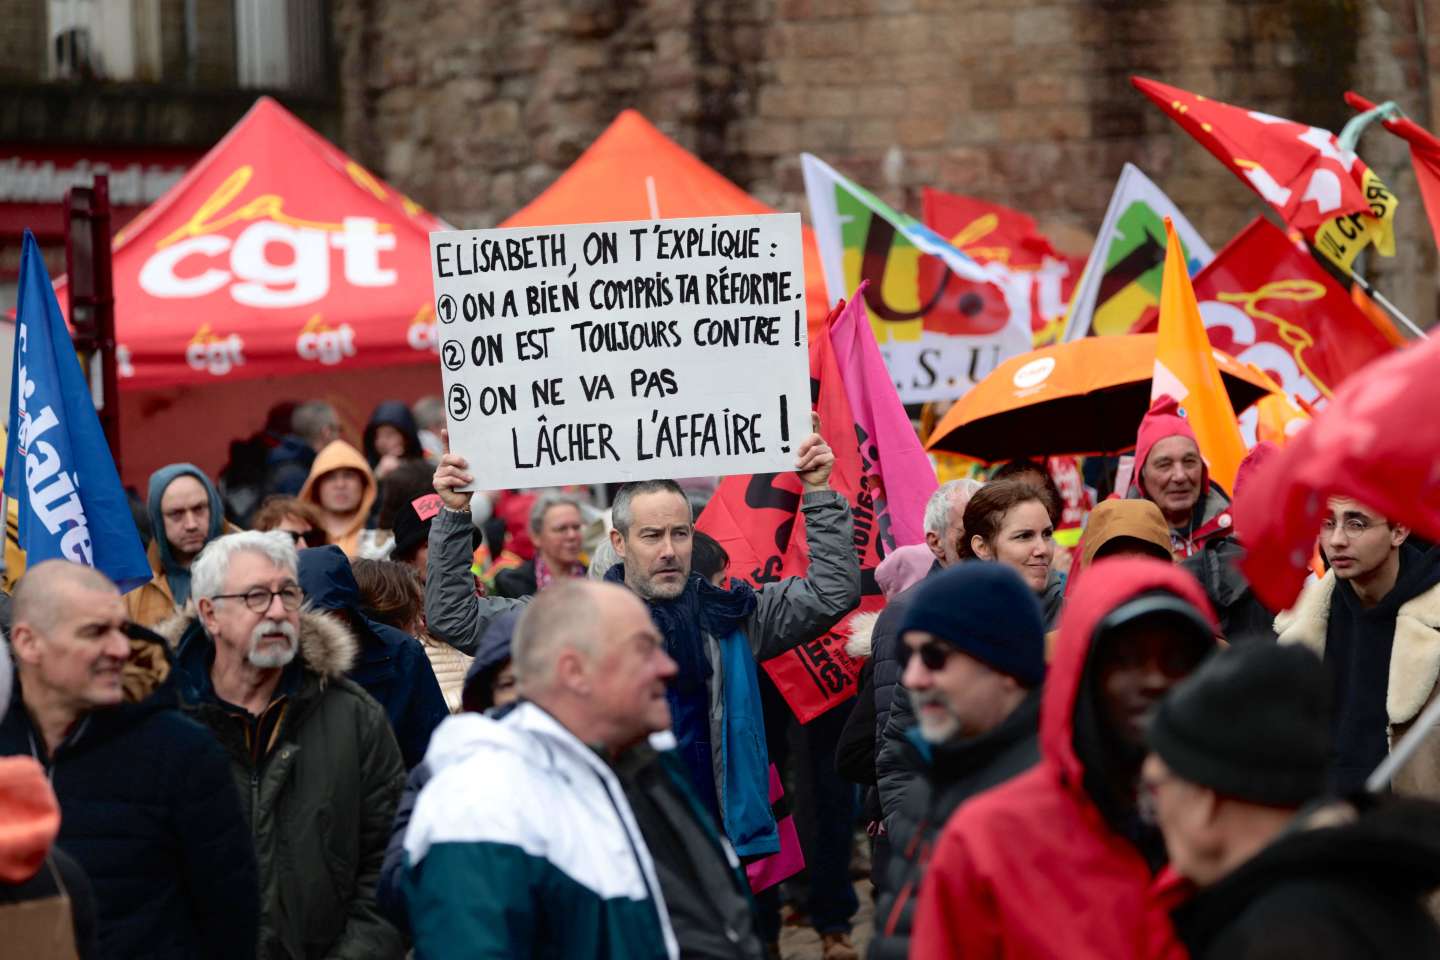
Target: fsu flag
1038 279
940 322
757 519
1424 157
1325 192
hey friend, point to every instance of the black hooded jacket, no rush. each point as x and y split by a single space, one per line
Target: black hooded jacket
955 772
1358 644
391 666
393 413
1347 892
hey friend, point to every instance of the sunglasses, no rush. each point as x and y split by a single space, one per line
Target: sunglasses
311 538
933 654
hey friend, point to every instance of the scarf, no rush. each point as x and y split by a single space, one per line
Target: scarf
544 576
701 608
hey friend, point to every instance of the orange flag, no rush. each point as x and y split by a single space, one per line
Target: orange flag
1185 369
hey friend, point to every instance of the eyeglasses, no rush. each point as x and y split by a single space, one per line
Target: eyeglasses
1352 526
258 599
933 654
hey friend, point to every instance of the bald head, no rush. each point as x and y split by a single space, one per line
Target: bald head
68 641
565 615
590 654
48 588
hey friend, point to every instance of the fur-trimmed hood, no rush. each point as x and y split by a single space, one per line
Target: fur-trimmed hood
327 646
861 629
1414 658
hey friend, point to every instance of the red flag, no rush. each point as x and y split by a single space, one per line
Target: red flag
1269 303
757 520
1377 442
1424 157
1327 193
1021 260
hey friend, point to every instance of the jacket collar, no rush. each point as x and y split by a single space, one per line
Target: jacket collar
327 647
1414 658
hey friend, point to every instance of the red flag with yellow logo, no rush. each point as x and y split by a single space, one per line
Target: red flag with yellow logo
1326 192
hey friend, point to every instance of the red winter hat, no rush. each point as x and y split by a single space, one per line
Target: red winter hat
1164 419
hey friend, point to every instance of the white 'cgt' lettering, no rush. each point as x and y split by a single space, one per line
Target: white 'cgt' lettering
256 280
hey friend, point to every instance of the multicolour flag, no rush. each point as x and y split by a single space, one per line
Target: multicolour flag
940 321
1122 278
1319 188
1037 278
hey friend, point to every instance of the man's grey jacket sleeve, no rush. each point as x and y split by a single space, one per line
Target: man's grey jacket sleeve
799 609
452 611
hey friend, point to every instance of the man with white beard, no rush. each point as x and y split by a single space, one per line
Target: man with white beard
972 651
319 771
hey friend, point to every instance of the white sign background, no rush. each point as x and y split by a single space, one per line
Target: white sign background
609 352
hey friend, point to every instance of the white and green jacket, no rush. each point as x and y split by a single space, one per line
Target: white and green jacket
522 844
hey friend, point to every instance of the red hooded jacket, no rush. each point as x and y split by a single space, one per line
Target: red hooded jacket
1212 511
1031 870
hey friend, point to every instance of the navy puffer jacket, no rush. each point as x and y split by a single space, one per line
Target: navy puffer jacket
150 811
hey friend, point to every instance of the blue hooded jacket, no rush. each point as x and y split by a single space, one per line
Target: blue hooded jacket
392 666
178 576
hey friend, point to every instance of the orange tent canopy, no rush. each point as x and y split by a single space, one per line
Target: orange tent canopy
634 172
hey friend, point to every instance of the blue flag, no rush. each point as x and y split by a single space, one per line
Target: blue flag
58 466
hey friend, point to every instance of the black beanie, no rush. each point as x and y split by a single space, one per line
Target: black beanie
1252 723
986 610
412 525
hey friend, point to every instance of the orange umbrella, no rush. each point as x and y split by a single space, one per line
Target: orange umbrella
1083 397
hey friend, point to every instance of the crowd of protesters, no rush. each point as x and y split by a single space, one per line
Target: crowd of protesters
361 709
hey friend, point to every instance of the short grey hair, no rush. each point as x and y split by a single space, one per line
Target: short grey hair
620 514
429 413
212 566
602 558
311 419
564 614
552 498
950 497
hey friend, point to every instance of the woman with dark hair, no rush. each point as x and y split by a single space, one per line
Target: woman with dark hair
709 559
1009 522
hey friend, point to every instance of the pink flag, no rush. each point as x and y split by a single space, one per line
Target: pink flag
767 872
899 476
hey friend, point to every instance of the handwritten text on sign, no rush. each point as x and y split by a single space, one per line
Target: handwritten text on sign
624 351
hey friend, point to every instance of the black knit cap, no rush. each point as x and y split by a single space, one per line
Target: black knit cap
985 610
1252 723
412 525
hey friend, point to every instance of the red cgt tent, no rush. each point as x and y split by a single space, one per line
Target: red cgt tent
277 269
634 172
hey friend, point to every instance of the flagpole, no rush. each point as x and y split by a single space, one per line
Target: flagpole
1393 310
1405 749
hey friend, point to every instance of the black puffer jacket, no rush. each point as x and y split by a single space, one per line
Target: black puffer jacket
954 772
1217 566
150 812
1347 892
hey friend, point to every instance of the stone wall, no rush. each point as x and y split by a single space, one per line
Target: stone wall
474 107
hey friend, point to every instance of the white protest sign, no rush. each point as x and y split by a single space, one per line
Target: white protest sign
609 352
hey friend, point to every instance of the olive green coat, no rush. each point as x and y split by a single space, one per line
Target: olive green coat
320 804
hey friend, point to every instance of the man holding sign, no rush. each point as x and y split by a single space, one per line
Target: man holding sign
715 636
